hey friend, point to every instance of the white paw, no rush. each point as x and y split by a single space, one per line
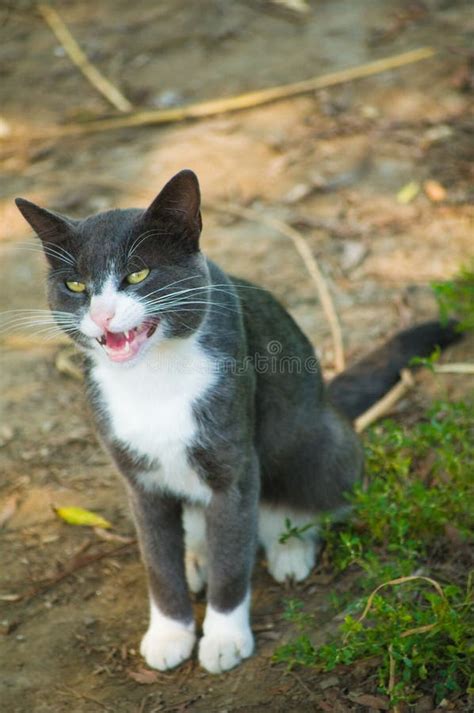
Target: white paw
292 560
168 642
221 652
196 570
167 650
227 638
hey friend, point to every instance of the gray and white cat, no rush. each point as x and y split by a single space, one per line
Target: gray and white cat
210 401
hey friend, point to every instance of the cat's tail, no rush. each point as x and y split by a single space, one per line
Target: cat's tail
360 386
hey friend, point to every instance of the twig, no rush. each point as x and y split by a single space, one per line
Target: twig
239 102
303 685
386 402
395 582
82 696
408 632
391 676
454 368
77 57
310 263
71 568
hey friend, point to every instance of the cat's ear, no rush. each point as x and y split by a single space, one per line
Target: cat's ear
50 227
180 202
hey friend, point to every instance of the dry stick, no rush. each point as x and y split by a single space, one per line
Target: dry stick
82 696
391 676
70 569
77 57
241 101
380 408
310 263
454 368
401 580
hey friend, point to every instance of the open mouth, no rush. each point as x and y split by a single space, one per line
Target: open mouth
122 346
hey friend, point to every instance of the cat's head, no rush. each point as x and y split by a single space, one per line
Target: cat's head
123 280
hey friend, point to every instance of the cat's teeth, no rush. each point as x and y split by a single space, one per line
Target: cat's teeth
126 348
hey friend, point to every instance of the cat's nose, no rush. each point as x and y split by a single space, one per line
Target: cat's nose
102 317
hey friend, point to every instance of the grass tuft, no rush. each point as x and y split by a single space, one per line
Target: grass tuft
410 537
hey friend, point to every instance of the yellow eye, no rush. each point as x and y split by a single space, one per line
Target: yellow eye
75 286
135 277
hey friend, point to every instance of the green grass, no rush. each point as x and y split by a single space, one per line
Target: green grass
415 517
410 541
457 297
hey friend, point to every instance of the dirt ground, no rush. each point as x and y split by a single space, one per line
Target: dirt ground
331 164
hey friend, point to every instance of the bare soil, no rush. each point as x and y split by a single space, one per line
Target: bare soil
331 164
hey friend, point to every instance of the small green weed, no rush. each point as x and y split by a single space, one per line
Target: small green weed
457 297
416 515
294 530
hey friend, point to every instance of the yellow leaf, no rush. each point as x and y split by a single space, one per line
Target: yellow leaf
79 516
408 192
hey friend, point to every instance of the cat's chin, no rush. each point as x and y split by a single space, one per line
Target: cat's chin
127 346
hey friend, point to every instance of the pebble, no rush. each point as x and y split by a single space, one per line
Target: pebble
353 253
6 433
167 99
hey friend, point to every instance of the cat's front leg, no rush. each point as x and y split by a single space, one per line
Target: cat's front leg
231 519
171 633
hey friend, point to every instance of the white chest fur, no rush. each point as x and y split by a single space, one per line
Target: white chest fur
149 406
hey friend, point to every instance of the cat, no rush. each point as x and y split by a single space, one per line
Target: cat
210 401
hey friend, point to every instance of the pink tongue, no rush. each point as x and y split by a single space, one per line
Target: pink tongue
115 340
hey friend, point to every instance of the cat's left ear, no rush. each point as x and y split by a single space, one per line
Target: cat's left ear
50 227
179 202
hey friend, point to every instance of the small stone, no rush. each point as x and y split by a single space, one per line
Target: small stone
369 112
424 704
167 99
298 193
329 682
5 128
353 253
6 435
6 626
437 133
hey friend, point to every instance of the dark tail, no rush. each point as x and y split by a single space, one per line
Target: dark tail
360 386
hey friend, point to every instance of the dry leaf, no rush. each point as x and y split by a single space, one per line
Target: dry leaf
408 192
435 191
144 676
84 518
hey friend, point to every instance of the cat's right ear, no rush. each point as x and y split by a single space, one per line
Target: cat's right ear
179 202
50 227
